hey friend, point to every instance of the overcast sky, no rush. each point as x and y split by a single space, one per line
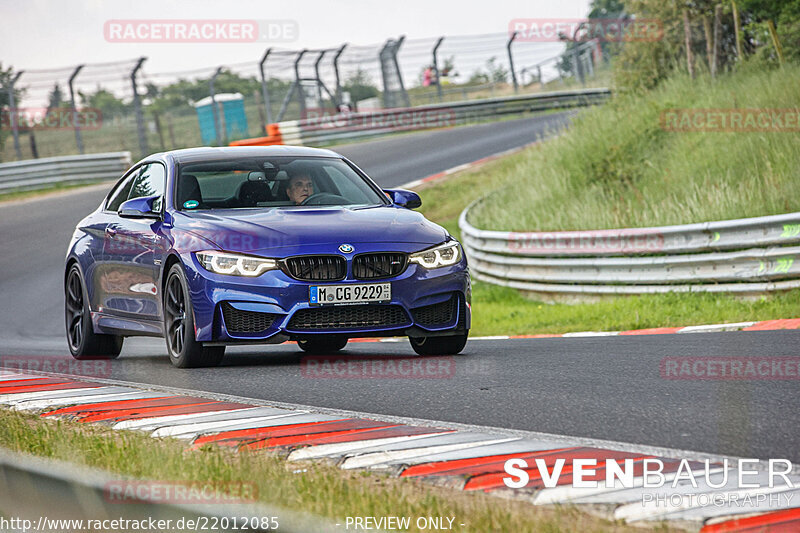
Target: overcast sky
37 34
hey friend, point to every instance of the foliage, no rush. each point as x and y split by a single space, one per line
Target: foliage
495 72
643 65
360 86
105 101
619 166
180 95
55 98
6 76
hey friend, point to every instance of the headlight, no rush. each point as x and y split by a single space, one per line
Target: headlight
446 254
234 264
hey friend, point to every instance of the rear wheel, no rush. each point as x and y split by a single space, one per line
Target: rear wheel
448 345
83 342
184 350
324 345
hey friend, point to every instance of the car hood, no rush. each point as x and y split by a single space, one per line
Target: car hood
250 230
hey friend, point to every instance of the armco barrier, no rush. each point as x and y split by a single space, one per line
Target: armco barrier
750 255
328 128
37 173
45 491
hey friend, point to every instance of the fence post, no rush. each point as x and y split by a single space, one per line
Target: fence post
436 67
589 61
511 61
576 62
14 115
78 139
338 91
395 50
264 90
319 81
217 127
301 92
292 88
387 97
137 108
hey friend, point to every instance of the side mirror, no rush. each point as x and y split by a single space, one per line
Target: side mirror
144 207
404 198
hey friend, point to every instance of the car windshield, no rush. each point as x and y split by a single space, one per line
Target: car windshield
282 182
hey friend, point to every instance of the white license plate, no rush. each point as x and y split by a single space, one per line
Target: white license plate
351 294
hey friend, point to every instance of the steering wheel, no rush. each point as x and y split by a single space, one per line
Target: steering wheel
321 197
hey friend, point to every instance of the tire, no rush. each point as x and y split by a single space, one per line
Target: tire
449 345
184 350
83 342
325 345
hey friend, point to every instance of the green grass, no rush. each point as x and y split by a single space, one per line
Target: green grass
616 167
316 488
504 311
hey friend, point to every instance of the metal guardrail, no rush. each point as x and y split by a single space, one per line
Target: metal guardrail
37 173
45 491
749 255
329 128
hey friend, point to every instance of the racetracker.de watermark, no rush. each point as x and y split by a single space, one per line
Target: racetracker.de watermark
53 118
321 119
235 240
391 367
180 492
200 31
731 368
585 30
368 367
579 242
746 120
96 367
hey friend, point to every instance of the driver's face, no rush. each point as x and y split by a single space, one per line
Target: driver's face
300 188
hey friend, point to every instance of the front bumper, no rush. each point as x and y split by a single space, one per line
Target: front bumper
277 294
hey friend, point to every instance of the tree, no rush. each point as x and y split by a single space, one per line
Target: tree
6 77
642 65
105 101
786 17
497 72
360 86
598 9
181 94
56 98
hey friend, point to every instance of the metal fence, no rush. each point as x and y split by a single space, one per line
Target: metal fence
47 493
750 255
37 173
329 128
143 111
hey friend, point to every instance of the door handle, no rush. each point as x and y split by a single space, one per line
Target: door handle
111 232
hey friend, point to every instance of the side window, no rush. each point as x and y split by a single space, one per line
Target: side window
121 193
149 182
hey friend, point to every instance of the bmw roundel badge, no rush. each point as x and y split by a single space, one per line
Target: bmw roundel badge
346 248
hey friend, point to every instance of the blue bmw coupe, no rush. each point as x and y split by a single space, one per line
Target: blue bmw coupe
210 247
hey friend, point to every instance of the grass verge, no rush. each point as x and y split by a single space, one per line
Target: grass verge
503 311
618 167
317 488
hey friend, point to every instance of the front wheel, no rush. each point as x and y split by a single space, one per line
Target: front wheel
83 342
184 350
325 345
447 345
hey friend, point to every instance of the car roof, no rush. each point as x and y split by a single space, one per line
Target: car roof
231 152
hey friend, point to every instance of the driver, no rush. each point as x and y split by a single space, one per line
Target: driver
300 187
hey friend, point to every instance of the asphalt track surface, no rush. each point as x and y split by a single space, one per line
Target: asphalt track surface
603 387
